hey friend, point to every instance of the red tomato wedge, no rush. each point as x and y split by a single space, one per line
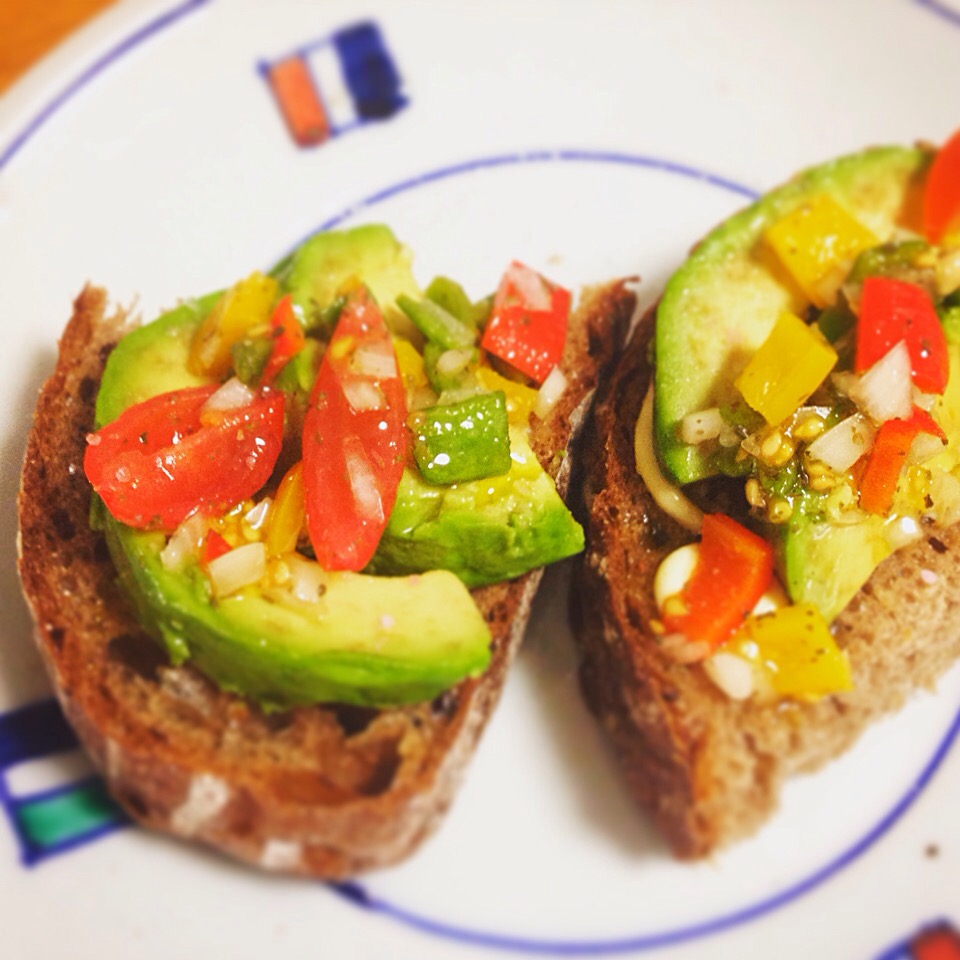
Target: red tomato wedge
941 196
732 572
891 311
169 457
528 323
288 338
355 438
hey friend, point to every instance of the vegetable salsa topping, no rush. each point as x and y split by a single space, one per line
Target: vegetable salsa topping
302 481
841 419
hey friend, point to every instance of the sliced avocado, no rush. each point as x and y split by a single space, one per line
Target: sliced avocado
166 341
722 303
370 640
315 272
484 531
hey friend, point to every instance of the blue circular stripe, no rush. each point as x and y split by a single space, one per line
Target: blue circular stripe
357 894
135 39
536 156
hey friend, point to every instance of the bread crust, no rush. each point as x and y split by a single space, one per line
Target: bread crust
709 769
326 791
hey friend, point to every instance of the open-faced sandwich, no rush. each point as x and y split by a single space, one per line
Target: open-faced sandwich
771 489
281 542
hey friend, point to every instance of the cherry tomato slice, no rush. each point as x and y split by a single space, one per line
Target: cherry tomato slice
528 323
941 196
355 439
169 457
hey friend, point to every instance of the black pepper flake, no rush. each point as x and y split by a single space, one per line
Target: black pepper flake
938 545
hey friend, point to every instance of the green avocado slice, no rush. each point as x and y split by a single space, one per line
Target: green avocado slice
722 303
315 272
370 640
483 530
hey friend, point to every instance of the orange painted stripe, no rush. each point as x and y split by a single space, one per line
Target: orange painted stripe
299 103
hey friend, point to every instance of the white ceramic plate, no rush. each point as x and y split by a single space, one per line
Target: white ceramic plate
592 140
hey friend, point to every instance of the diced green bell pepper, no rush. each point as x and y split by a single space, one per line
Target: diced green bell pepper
462 441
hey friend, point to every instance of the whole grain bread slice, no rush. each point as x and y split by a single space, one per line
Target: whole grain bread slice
328 790
709 769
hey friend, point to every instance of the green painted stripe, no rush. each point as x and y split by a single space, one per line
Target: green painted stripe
52 820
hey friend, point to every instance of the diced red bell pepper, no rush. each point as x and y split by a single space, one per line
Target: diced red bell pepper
169 457
355 438
528 324
924 423
733 570
288 338
214 545
941 196
878 482
891 311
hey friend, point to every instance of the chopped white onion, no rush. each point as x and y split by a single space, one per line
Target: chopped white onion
551 390
533 291
925 447
421 398
901 531
732 674
376 360
844 444
183 543
451 362
233 395
363 395
308 580
237 568
256 516
666 494
945 493
701 426
924 401
885 391
363 483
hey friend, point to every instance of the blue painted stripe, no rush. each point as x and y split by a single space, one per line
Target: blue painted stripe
32 732
360 896
527 157
369 71
95 69
941 10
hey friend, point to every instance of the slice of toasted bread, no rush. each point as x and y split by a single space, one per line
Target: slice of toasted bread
709 769
327 790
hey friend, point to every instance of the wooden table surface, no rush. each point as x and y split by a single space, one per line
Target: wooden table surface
31 28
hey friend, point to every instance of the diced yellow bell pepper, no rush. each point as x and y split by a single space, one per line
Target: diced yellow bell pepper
521 399
790 364
410 364
287 513
817 244
245 305
794 651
